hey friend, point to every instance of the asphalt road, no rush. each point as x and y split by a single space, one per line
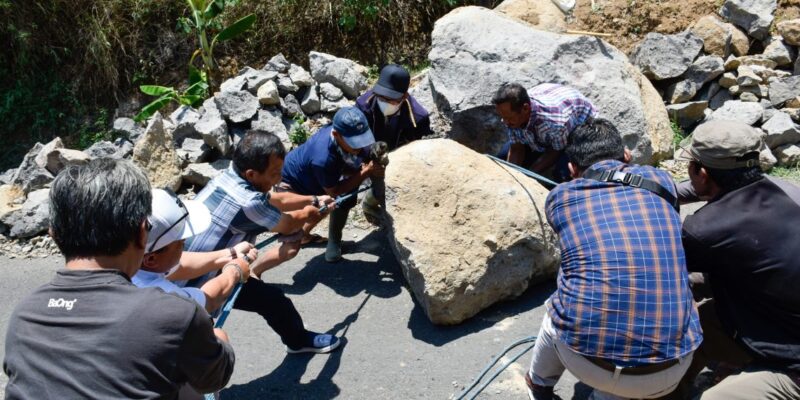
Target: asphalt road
390 349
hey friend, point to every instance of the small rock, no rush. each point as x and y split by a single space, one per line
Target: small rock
780 130
740 43
701 71
790 30
155 154
345 74
32 218
310 101
44 152
731 63
254 78
268 94
747 96
201 174
213 128
285 84
716 35
235 84
661 56
193 151
184 119
291 107
777 50
727 80
746 76
236 106
270 120
57 160
279 63
687 114
300 76
748 113
766 73
783 89
754 16
758 60
128 128
29 175
788 155
329 92
766 159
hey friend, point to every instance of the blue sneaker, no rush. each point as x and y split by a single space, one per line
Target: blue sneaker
320 343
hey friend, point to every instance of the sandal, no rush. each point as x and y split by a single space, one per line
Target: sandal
313 239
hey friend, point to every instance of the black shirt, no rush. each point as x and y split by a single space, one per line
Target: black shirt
748 241
411 123
93 335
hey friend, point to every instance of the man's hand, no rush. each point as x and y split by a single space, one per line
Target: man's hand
327 201
374 169
221 335
246 249
243 265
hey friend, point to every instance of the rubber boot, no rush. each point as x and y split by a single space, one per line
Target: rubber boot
371 207
333 252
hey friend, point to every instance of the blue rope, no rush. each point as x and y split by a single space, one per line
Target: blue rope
525 172
341 199
500 370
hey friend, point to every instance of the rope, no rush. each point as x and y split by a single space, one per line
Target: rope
341 199
549 184
494 361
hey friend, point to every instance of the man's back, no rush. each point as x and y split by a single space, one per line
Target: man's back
747 240
623 290
92 334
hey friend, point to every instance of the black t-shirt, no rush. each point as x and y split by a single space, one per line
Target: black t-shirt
93 335
748 241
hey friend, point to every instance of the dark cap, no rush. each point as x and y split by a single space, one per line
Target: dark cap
393 82
723 144
351 123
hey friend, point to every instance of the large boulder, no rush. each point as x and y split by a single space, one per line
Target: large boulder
475 50
716 35
704 69
662 56
61 158
155 154
213 128
236 106
345 74
780 130
32 218
541 14
464 244
736 110
790 30
754 16
30 175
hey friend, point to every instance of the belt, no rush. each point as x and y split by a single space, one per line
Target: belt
646 369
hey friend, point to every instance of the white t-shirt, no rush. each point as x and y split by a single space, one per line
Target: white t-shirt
144 279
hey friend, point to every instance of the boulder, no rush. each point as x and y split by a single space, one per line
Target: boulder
687 114
732 63
285 85
330 92
213 128
766 73
464 245
740 43
128 128
310 103
300 76
124 147
750 97
746 112
757 60
155 154
193 151
754 16
254 78
291 107
32 218
662 56
11 199
701 71
345 74
268 94
780 130
103 149
44 152
541 14
766 159
6 177
278 63
423 92
788 155
716 35
790 30
777 50
236 106
783 89
29 175
184 119
270 121
727 80
235 84
475 50
61 158
200 174
745 76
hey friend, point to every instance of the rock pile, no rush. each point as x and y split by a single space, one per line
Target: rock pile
731 68
190 146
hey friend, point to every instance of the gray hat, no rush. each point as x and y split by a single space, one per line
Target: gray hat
723 144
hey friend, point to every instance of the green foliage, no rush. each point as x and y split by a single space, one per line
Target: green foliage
677 134
95 131
192 96
789 173
299 133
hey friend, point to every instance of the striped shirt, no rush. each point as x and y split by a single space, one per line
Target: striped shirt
239 212
623 292
556 110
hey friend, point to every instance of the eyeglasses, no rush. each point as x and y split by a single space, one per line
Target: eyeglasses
185 214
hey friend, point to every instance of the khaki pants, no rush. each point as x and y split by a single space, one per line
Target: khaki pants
754 384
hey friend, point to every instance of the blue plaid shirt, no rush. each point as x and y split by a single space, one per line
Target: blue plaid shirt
623 290
556 110
239 212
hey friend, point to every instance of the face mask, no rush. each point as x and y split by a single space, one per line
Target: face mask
351 160
387 108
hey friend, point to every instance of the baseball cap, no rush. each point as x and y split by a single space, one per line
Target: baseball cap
723 144
393 82
351 123
174 219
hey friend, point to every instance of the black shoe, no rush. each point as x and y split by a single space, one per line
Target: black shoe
538 392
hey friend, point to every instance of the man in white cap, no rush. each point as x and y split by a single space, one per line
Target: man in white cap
173 221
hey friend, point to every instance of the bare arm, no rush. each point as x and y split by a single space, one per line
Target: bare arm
371 168
218 289
545 161
288 201
195 264
516 154
274 257
292 221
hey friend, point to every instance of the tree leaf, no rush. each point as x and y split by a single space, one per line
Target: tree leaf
154 90
198 88
213 9
235 29
191 99
195 75
151 108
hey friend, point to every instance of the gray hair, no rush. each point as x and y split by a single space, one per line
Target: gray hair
97 209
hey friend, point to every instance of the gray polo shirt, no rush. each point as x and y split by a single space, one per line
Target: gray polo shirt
93 334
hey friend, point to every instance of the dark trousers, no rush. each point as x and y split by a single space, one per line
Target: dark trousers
560 171
272 305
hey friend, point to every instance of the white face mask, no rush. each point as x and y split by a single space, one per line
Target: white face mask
387 108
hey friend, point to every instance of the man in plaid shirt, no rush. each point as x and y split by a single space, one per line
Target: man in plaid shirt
539 123
622 320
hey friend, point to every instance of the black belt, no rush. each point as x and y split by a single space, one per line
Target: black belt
646 369
633 180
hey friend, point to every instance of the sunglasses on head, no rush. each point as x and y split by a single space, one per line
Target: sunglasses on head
185 214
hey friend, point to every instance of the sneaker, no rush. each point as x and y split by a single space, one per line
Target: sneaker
321 343
538 392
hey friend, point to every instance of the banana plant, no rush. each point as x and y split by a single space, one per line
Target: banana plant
192 96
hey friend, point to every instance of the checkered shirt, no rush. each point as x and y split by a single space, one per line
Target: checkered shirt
623 289
555 111
239 212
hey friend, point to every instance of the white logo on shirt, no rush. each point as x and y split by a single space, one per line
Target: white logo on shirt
61 303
